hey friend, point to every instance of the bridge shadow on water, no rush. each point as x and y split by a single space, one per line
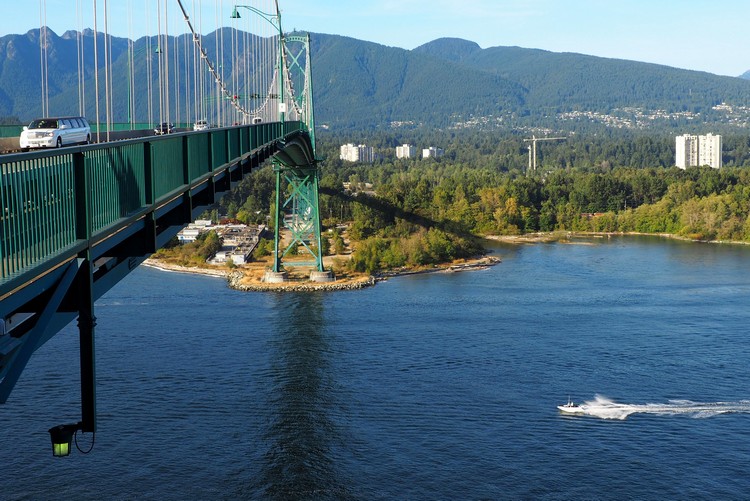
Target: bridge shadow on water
303 443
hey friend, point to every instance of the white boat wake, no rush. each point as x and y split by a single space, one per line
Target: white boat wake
605 408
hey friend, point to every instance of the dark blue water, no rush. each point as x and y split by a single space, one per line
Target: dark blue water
439 386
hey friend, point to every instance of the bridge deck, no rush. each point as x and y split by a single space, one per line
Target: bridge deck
109 206
50 201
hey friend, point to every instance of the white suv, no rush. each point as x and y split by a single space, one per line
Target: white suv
55 133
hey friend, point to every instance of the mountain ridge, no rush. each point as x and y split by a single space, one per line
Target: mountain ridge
448 82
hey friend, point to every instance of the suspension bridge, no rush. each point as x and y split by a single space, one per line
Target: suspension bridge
76 220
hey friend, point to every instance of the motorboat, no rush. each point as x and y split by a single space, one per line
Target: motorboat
571 408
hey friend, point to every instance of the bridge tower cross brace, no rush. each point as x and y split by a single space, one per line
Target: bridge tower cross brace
299 214
297 198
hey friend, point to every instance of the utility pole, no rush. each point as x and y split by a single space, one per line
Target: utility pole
532 148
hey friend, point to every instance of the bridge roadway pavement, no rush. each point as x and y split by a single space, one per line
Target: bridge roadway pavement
12 145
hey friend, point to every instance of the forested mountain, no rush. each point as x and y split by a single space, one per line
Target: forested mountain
21 74
568 81
365 84
447 83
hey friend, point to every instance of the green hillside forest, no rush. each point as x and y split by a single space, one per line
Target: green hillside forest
447 83
411 212
614 172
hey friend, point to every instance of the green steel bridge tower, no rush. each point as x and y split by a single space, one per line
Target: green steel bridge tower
75 221
296 207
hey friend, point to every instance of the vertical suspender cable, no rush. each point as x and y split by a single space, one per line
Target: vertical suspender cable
204 92
96 74
149 67
78 56
196 61
271 88
197 89
107 65
176 71
270 76
166 63
233 35
258 90
131 81
131 69
232 73
160 50
220 62
83 66
42 66
216 93
79 60
225 98
260 64
46 60
282 65
186 70
246 76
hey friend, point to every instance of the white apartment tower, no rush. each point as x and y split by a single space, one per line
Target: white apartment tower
693 150
686 151
359 153
432 152
406 151
709 151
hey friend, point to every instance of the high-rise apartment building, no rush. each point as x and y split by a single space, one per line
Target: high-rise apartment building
691 151
406 151
432 152
359 153
709 151
686 151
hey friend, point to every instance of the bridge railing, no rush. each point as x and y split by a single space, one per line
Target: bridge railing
54 202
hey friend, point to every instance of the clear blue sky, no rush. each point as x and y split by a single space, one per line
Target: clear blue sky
706 35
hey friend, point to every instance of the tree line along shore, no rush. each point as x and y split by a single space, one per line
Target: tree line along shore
401 214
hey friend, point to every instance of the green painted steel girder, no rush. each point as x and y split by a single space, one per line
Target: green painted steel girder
296 170
298 214
106 207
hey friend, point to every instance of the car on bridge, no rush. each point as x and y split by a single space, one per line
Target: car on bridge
201 125
164 128
55 133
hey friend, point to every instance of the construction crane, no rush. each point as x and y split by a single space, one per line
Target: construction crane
532 148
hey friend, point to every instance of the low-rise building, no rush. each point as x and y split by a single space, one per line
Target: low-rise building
189 234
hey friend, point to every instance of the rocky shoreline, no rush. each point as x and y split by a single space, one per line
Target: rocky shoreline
476 264
237 280
240 280
566 236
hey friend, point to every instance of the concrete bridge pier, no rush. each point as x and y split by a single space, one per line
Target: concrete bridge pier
322 276
275 277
